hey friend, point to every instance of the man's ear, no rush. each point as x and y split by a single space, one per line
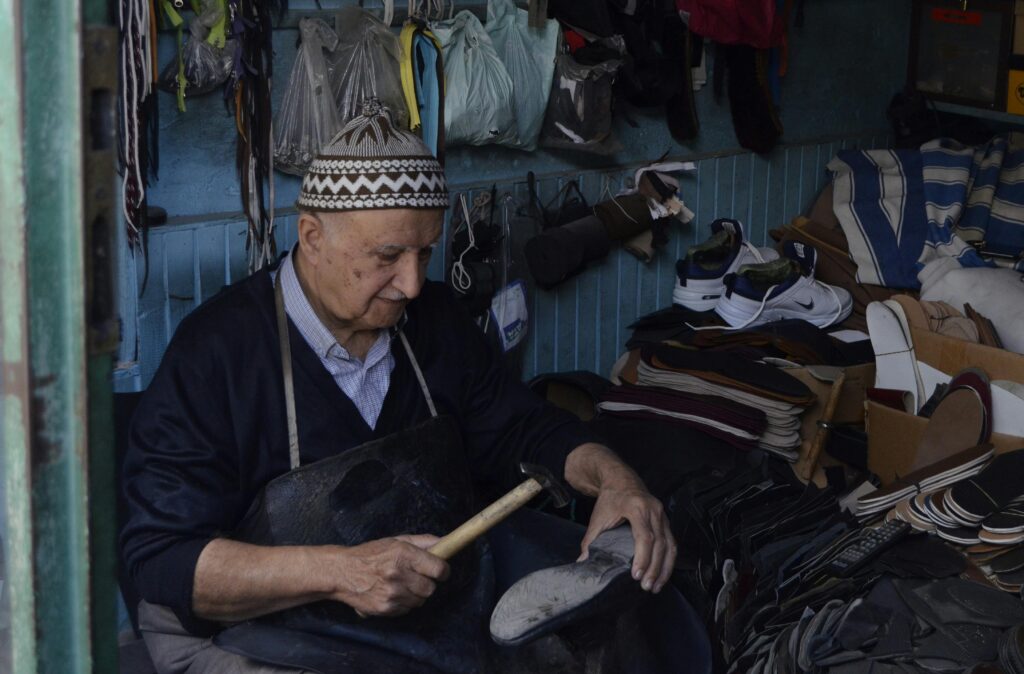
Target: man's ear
311 236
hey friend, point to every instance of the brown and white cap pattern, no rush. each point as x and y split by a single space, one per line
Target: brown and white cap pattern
374 164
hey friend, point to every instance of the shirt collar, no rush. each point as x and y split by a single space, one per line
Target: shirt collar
298 308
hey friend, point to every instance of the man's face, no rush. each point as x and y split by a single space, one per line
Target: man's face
368 264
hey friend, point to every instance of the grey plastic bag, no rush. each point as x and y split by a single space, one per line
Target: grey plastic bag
529 57
366 65
308 118
478 98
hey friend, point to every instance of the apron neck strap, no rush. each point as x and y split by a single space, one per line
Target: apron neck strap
289 379
286 369
419 373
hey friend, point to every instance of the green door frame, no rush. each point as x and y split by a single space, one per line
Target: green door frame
55 407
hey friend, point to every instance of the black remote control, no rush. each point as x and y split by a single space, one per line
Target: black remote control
866 548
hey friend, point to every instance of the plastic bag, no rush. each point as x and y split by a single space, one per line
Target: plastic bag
529 57
202 64
579 112
308 118
366 65
478 103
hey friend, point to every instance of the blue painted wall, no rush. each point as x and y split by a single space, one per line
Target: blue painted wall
844 65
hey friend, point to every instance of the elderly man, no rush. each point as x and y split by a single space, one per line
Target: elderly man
370 348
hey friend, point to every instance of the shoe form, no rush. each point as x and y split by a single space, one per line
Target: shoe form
895 360
782 289
700 276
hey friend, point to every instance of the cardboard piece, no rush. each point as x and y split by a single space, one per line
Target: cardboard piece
893 436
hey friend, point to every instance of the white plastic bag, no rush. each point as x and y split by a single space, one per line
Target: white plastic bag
308 118
478 99
529 57
366 65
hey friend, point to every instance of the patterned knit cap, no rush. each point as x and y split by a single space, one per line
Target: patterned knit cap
373 164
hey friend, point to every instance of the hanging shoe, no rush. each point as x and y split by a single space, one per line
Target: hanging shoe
700 276
783 289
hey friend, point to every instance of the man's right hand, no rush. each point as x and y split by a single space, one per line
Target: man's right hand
237 581
386 577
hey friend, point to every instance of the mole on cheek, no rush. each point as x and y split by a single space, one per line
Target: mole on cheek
358 274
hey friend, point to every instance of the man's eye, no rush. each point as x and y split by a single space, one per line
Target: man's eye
389 258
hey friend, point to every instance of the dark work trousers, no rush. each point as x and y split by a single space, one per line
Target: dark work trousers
526 542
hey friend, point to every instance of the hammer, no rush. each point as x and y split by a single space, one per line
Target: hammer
539 480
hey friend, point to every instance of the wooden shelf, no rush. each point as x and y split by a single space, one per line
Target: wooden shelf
984 113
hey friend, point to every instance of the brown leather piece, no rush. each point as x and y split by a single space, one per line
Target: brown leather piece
938 317
715 378
955 425
987 334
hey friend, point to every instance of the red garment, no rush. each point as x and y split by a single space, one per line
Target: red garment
752 22
574 40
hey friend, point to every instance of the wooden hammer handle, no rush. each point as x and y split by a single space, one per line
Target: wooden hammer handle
810 462
473 528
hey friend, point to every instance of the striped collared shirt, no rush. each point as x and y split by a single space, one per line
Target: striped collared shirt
364 382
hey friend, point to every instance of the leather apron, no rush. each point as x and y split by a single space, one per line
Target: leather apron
411 482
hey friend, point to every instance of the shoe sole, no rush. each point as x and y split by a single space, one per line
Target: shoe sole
891 341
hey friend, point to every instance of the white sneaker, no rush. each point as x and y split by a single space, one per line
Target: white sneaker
783 289
700 276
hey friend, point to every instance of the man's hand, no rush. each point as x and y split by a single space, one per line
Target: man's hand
237 581
622 497
387 577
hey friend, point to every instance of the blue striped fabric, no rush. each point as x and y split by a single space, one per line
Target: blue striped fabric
900 209
987 183
878 197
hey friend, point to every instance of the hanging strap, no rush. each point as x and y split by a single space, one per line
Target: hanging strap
419 374
286 369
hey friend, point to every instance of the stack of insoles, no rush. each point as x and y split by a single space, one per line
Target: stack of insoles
948 471
984 511
727 393
1002 564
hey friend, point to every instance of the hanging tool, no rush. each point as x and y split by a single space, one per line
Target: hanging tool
540 479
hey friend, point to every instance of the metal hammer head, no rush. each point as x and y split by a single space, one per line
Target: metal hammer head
550 483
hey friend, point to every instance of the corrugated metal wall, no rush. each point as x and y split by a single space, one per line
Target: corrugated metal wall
580 325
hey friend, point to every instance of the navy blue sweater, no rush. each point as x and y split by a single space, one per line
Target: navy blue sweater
211 429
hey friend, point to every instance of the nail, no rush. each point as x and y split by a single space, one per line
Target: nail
646 585
636 574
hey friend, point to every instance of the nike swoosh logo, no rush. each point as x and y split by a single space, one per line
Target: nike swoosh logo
808 306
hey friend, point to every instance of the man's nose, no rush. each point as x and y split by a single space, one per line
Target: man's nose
411 275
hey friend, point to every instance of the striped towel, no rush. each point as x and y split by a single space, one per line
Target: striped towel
900 209
976 193
878 197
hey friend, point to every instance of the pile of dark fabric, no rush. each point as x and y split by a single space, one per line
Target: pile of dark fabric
757 549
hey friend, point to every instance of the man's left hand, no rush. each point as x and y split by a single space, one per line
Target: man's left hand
622 497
